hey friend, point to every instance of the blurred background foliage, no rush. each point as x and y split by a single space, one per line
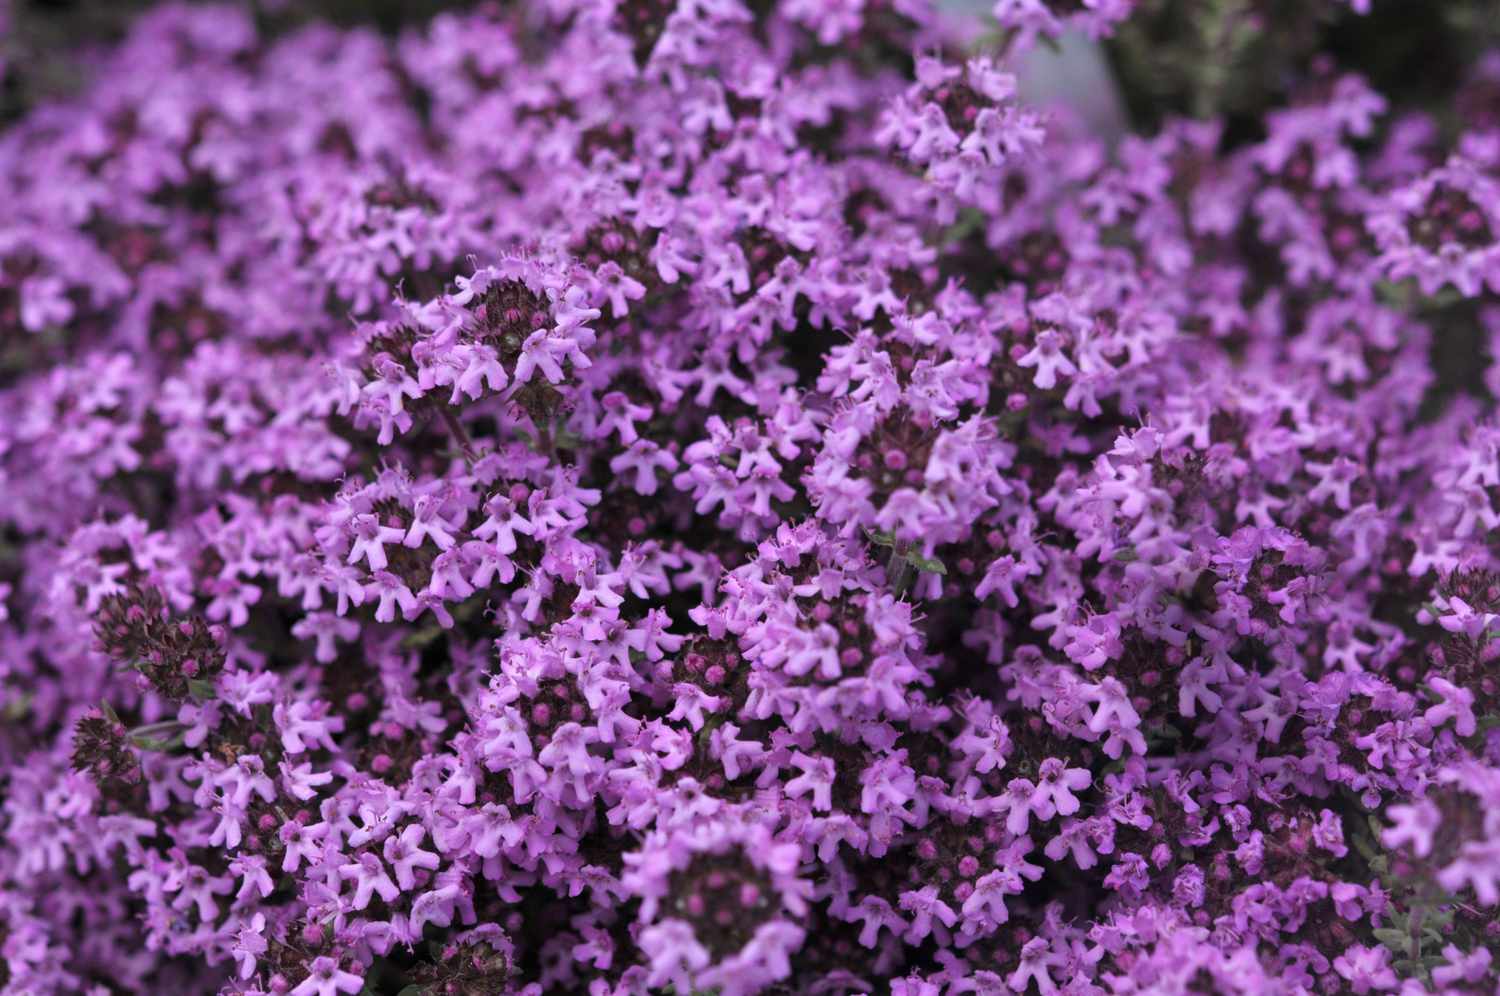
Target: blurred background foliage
1236 58
1233 59
45 45
1174 57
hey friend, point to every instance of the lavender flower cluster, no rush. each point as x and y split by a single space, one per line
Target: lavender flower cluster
726 497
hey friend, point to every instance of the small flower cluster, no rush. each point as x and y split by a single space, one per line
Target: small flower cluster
724 497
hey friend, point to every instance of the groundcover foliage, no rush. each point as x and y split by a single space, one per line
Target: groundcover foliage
609 497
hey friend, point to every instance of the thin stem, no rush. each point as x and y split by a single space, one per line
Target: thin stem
456 429
546 440
898 570
150 728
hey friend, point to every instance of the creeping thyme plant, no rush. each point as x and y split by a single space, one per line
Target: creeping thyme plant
734 496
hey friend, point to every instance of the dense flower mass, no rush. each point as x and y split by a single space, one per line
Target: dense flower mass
729 496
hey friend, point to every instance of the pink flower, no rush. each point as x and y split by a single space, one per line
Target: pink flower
1049 359
405 854
986 904
250 944
369 539
1457 704
391 591
428 524
327 979
816 779
1036 959
929 912
1415 824
1366 969
644 458
674 953
369 877
1056 784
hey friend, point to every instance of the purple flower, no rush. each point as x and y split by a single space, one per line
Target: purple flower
728 497
327 979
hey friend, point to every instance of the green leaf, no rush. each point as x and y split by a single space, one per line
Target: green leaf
1396 294
17 708
422 637
705 735
156 744
969 221
1396 940
928 564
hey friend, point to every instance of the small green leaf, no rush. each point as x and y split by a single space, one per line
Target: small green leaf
705 735
1395 294
969 221
422 637
156 744
928 564
1392 938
